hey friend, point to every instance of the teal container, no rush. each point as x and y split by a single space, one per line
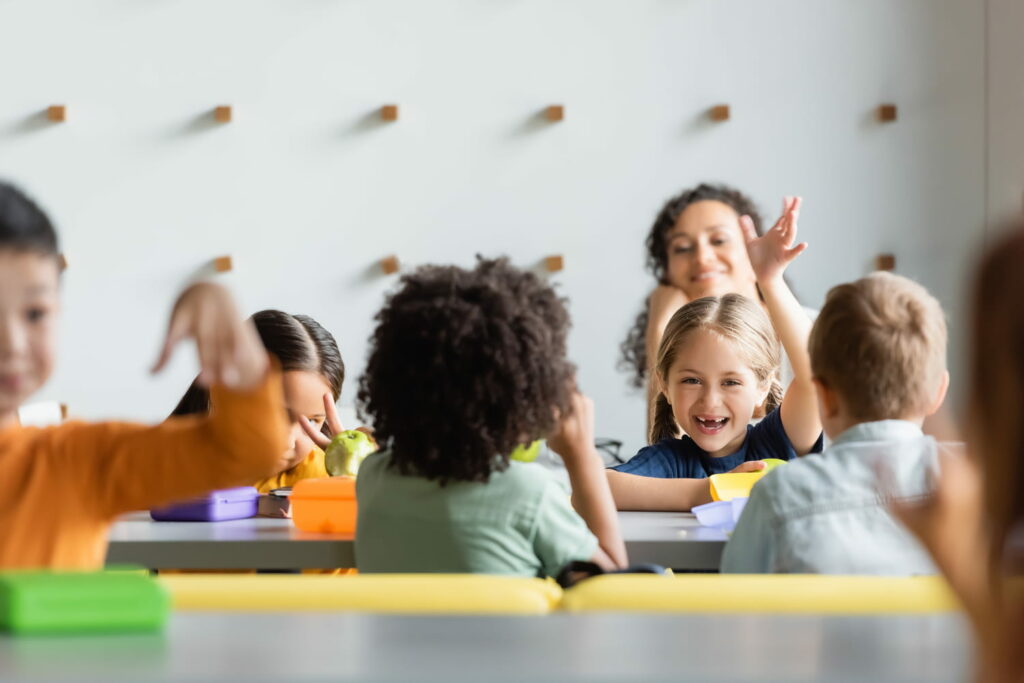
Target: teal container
81 602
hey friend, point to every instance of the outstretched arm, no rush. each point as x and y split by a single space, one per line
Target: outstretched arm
770 255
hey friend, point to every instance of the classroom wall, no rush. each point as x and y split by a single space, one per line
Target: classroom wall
1005 109
307 189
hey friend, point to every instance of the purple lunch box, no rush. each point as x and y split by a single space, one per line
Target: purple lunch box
216 506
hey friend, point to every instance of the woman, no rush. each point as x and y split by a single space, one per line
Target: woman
694 249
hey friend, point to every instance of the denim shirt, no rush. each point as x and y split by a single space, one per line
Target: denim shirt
826 514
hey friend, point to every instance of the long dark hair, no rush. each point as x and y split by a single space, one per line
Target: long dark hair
634 348
297 341
995 431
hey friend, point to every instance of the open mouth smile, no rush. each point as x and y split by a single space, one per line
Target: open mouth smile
710 425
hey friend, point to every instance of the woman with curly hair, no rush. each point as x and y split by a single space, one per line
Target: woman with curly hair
466 365
694 249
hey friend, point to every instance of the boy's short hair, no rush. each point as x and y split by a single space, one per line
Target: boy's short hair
464 366
23 225
880 343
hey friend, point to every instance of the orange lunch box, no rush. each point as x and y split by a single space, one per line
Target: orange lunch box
326 506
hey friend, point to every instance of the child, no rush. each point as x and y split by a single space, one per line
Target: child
313 373
716 368
878 352
63 485
973 522
696 248
465 365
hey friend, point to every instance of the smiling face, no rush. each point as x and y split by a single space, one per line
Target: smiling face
707 255
28 330
713 392
303 398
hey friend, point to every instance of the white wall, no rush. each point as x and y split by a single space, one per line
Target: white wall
307 191
1005 109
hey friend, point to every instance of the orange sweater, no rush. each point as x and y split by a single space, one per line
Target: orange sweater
60 487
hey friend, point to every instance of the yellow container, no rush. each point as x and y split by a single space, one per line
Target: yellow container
326 506
738 484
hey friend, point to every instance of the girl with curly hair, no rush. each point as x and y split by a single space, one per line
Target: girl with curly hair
464 367
717 365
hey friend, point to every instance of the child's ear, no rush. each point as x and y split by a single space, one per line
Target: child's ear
828 400
940 395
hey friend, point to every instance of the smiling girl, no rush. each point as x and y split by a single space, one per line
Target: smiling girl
717 364
695 248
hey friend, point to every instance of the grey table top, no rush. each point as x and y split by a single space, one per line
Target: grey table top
561 647
671 539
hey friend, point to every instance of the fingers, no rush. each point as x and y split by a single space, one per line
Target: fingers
314 435
747 226
209 346
795 251
750 466
177 330
331 411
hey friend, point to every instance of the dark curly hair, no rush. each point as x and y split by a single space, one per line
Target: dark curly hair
297 341
633 348
464 366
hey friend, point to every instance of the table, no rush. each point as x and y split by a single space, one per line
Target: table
293 646
671 539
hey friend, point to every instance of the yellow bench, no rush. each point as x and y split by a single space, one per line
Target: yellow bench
762 593
394 593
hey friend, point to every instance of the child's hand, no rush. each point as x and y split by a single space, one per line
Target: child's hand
333 424
230 350
771 253
573 437
948 521
749 466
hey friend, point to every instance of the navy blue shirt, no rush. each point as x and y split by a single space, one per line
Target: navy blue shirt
683 458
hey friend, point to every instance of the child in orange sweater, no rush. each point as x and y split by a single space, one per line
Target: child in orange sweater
62 486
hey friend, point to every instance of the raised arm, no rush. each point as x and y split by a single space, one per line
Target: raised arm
242 439
574 441
770 255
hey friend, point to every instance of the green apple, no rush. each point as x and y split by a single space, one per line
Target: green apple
772 463
526 453
346 453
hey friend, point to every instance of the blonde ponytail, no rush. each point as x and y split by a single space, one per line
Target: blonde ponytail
664 425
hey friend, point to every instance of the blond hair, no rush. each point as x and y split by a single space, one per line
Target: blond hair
736 319
880 343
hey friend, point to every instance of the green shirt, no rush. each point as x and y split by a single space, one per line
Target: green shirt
518 523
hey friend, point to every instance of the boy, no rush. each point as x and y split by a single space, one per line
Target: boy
62 486
878 354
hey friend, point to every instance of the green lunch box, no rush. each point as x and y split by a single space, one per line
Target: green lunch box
81 602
